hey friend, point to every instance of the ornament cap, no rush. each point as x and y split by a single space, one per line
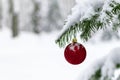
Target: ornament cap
74 40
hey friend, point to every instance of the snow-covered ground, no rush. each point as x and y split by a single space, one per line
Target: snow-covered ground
37 57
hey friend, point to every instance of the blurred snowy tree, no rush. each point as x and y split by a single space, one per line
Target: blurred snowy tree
52 16
26 9
13 18
36 16
65 7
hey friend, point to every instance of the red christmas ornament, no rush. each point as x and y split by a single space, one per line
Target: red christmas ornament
75 53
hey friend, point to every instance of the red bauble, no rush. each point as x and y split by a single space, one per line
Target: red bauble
75 53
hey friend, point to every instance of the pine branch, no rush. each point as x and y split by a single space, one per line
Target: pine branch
96 76
87 26
118 66
92 24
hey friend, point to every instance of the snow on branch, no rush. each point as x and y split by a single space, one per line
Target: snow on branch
88 17
104 68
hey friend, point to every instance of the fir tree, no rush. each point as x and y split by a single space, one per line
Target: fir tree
54 16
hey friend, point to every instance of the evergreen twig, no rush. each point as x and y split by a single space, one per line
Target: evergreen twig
92 24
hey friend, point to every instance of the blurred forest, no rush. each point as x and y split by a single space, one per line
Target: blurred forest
39 16
34 15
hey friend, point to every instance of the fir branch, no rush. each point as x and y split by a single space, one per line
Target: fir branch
116 11
87 26
97 75
92 24
116 7
118 66
68 35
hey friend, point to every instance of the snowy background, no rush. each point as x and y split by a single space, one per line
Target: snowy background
37 57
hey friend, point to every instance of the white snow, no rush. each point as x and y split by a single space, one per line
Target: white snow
111 61
36 57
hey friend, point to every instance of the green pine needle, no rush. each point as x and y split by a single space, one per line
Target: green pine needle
118 66
96 76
